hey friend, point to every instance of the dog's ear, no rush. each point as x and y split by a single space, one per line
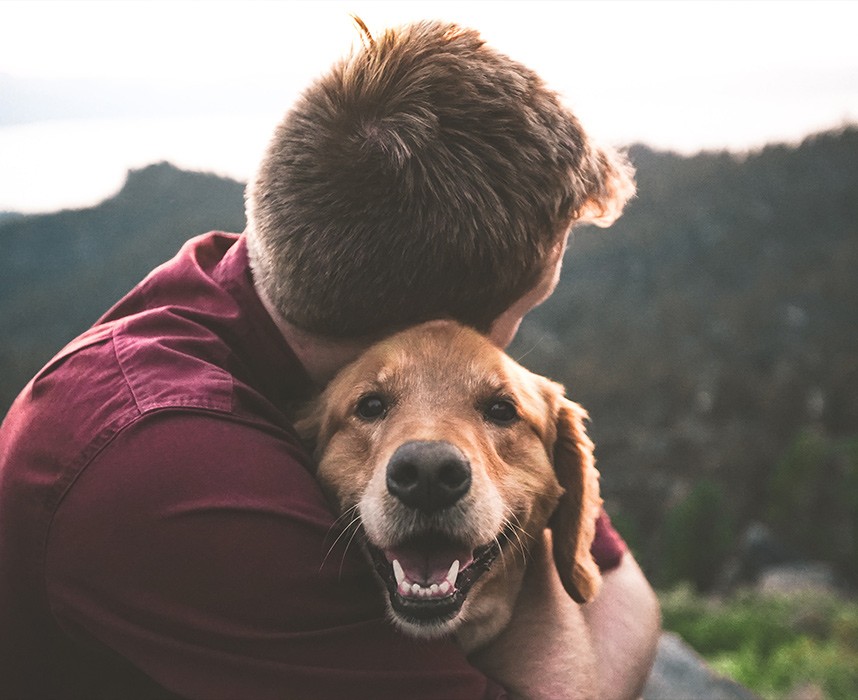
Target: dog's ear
573 523
307 421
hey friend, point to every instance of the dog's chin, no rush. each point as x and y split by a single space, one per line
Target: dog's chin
428 579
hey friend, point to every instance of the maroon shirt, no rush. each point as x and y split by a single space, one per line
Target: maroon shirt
161 533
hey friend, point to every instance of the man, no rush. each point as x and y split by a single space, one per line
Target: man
161 533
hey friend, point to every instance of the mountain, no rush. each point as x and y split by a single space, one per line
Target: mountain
712 333
708 332
6 216
60 272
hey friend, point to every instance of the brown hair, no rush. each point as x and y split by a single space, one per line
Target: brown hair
426 175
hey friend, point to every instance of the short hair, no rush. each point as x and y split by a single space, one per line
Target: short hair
426 175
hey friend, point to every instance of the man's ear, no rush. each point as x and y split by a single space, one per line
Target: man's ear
573 523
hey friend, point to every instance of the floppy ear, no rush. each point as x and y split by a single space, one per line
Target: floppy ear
573 523
307 422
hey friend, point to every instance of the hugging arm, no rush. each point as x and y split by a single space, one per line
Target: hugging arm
545 652
624 621
554 648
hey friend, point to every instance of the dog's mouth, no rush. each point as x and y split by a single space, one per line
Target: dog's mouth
429 576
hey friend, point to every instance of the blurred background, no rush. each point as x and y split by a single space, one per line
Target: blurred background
712 332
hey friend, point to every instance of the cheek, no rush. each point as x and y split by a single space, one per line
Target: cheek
526 478
346 468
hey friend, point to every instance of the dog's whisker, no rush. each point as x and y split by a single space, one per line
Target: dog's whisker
519 545
348 544
349 513
532 348
345 514
514 527
500 549
354 525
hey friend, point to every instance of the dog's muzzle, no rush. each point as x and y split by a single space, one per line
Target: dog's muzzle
429 573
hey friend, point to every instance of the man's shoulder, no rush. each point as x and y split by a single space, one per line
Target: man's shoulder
121 369
170 360
102 382
179 339
188 340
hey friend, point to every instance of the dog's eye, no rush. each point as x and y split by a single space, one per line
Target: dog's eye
502 412
371 407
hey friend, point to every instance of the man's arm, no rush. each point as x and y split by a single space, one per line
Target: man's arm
624 623
545 652
554 648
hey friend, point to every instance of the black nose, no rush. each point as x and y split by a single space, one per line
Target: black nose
428 475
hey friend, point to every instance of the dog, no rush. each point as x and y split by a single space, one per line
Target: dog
450 460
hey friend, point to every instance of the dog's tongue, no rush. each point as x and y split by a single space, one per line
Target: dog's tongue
426 563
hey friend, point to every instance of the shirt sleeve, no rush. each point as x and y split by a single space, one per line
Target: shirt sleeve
608 546
202 551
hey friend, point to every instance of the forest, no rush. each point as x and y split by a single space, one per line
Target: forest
712 334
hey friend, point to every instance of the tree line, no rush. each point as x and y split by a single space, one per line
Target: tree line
712 333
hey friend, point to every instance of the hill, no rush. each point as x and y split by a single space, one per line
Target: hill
712 333
60 272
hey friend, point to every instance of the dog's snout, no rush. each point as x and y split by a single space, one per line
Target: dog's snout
428 475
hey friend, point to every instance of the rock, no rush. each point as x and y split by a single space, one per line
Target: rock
807 691
758 550
798 578
680 673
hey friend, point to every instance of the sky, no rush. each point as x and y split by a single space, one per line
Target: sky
91 89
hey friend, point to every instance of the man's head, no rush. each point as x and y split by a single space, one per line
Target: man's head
424 176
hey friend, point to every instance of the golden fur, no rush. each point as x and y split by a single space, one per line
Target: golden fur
439 383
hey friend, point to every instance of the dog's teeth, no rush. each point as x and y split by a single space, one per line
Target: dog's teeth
453 573
409 589
398 573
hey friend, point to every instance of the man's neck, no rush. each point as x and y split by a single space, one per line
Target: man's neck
321 357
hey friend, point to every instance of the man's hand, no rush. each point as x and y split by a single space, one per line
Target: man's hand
545 652
555 649
624 623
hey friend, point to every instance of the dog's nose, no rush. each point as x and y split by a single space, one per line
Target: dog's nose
428 475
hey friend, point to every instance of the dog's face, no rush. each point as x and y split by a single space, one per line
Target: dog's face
452 459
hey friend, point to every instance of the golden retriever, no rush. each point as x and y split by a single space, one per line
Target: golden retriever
450 459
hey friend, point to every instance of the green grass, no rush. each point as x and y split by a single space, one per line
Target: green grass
772 645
